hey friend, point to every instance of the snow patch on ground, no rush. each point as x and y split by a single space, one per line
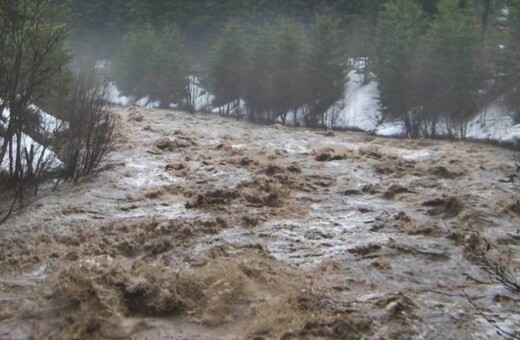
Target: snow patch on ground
494 123
115 96
27 143
390 129
147 103
47 125
361 107
202 98
232 109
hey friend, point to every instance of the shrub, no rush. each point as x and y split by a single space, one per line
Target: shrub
88 138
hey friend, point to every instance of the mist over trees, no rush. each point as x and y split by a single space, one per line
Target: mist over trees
510 69
152 63
328 68
227 66
454 43
436 62
396 48
428 68
295 71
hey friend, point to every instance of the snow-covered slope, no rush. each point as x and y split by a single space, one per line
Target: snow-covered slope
115 96
362 110
361 107
494 123
202 99
47 125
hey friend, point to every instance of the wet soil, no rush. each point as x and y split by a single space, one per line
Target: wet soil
204 228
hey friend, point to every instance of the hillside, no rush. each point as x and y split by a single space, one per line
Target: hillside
202 227
360 109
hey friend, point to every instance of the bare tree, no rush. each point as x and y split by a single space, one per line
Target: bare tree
31 59
500 268
88 138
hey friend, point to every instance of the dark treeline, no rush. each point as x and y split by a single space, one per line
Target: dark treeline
98 26
282 70
437 62
440 71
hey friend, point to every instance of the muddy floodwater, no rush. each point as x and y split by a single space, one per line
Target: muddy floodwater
200 227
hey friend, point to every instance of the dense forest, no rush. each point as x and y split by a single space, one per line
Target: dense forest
437 62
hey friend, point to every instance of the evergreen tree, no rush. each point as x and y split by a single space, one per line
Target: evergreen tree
167 69
276 79
396 49
288 68
512 58
152 64
259 84
227 66
327 68
455 40
131 63
97 28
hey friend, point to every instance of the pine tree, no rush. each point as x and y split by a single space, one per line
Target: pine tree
327 68
288 68
227 66
259 84
167 69
455 40
130 65
152 64
96 29
396 49
276 79
512 58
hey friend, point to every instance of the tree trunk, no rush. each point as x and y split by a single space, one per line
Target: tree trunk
19 173
3 150
11 162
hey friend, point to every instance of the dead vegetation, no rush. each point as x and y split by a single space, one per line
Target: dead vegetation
500 268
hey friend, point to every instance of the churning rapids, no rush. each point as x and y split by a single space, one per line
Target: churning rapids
199 227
